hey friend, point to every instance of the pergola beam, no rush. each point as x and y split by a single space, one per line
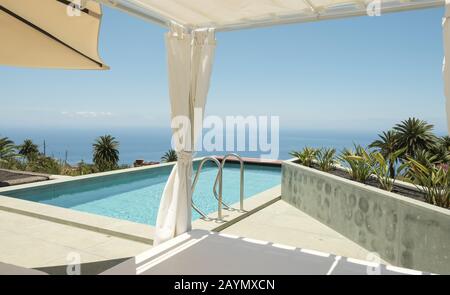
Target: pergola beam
141 11
327 15
313 9
138 11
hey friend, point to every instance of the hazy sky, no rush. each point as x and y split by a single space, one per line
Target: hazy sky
361 73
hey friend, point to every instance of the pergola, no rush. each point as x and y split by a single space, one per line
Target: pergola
228 15
190 49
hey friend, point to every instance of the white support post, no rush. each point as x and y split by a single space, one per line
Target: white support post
446 63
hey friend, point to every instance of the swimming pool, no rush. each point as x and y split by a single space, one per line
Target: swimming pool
135 195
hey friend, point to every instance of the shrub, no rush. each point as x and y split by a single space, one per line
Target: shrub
43 164
81 168
307 156
440 152
426 158
382 169
13 164
326 159
433 181
359 163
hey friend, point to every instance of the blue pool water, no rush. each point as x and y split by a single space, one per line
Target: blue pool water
135 196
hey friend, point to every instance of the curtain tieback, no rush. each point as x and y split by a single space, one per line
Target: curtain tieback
184 156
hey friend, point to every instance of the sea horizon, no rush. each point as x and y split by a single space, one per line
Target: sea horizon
150 144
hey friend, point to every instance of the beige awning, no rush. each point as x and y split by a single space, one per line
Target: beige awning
48 34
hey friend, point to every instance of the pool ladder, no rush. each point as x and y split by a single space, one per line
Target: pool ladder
219 182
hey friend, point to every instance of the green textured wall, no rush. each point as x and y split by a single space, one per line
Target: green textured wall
404 232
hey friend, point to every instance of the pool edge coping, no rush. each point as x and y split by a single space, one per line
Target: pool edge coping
127 229
97 223
55 179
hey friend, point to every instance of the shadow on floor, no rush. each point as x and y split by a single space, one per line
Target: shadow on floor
92 268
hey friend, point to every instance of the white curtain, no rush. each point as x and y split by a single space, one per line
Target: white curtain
190 57
446 67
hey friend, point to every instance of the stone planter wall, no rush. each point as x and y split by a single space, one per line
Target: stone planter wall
403 231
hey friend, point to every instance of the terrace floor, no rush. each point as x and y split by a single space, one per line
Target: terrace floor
284 224
36 243
33 242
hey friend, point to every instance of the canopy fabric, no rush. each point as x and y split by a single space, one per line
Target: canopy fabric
236 14
190 58
446 67
49 34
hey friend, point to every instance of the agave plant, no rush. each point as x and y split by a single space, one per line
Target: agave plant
434 181
426 158
326 159
307 156
360 163
382 169
170 156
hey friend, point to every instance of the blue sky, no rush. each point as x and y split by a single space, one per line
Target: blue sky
363 73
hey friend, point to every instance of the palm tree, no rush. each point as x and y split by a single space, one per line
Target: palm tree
387 145
7 149
106 153
169 156
444 142
427 158
415 135
442 150
28 149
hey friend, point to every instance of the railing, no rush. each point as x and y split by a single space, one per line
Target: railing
219 194
241 199
219 182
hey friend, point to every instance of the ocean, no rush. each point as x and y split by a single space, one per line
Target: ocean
151 143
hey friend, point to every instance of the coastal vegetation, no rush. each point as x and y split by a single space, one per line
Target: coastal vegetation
410 152
29 149
27 156
106 153
169 156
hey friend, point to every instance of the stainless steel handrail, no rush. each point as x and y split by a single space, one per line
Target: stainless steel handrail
218 178
241 161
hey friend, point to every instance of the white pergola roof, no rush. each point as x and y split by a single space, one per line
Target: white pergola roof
226 15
